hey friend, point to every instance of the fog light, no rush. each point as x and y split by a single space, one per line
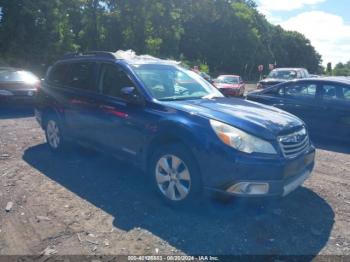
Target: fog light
249 188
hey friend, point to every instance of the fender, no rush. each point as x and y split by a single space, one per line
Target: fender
176 131
49 107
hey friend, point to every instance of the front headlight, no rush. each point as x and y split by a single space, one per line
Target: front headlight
5 93
240 140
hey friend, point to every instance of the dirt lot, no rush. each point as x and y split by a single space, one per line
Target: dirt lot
88 203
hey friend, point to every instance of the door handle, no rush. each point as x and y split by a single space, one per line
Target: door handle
113 111
105 107
75 101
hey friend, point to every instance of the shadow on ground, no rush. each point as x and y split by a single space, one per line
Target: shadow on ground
332 145
298 224
8 112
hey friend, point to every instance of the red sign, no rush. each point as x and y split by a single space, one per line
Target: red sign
261 68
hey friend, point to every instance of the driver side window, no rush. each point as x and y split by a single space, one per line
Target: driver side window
301 90
113 79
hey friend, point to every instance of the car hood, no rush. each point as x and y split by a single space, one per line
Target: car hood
227 85
262 121
272 81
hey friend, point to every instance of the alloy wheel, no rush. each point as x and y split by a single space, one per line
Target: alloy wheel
173 177
53 134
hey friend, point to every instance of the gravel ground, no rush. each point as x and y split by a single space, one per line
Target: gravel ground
88 203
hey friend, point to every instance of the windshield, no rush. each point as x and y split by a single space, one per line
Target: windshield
283 74
168 83
17 76
228 80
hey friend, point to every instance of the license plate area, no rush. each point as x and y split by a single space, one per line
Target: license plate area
294 184
297 166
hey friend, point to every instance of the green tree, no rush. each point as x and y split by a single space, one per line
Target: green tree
229 36
329 69
342 69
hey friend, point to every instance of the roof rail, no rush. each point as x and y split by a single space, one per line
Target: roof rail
102 54
69 55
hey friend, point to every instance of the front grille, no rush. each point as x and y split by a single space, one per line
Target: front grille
294 144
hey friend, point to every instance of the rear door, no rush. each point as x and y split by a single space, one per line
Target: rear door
81 91
336 104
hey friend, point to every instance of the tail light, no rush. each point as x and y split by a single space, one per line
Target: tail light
38 85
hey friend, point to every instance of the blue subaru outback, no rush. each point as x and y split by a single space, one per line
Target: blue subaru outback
174 125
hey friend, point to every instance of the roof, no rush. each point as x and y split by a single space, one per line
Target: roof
290 68
9 68
344 80
229 75
341 80
128 56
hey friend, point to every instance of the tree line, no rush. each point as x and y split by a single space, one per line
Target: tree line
340 69
223 36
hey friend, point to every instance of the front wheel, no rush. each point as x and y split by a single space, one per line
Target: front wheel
176 176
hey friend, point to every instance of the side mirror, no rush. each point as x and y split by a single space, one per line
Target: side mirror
264 76
130 94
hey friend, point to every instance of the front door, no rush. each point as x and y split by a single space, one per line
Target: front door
301 99
120 124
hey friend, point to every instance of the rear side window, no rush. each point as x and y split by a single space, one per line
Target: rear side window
332 92
301 90
82 76
58 74
113 79
17 76
345 93
329 92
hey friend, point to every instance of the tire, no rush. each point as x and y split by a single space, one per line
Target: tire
175 175
54 134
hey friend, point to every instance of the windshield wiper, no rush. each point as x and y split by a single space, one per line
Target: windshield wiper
178 98
210 96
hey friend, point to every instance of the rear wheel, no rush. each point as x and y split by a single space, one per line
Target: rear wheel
175 175
53 133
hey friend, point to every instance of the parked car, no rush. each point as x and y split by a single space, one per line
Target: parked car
281 75
323 103
230 85
313 76
187 138
17 87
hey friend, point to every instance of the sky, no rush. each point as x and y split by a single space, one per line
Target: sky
325 22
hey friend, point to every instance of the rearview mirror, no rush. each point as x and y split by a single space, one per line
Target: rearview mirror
130 94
